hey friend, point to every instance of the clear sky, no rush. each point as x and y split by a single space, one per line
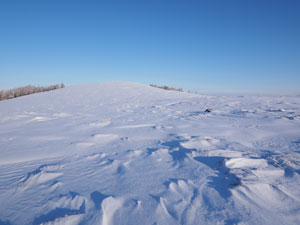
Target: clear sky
224 46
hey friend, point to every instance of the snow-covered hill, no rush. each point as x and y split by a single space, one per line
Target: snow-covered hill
126 153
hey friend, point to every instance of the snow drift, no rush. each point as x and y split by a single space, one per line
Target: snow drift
126 153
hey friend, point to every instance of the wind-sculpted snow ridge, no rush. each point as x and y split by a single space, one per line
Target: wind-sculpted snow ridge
126 153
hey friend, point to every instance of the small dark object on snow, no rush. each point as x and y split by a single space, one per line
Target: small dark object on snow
208 110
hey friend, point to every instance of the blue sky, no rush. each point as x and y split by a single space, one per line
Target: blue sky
225 46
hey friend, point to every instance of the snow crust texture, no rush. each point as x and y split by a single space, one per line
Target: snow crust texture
125 153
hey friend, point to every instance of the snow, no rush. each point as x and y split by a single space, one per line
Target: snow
127 153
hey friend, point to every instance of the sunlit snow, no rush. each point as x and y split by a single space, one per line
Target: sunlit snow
127 153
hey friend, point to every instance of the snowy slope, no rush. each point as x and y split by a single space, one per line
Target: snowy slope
126 153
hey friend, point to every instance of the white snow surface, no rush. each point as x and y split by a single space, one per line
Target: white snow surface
127 153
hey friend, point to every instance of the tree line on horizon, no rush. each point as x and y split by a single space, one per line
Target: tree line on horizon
27 90
165 87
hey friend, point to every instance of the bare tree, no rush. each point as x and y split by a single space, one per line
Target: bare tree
26 90
166 88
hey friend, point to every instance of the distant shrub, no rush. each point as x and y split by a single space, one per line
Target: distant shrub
26 90
166 88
